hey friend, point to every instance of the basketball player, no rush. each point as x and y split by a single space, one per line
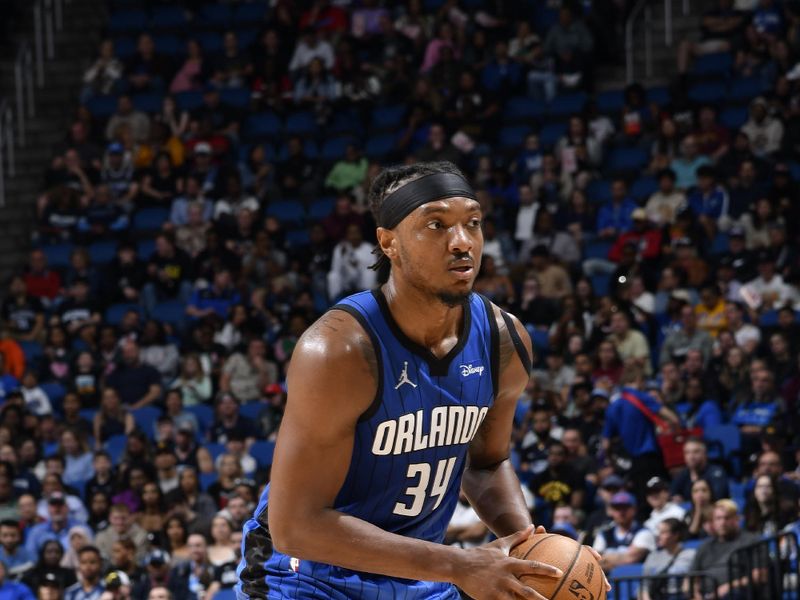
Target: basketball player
396 399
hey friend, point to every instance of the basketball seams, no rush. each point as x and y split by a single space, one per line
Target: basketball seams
566 573
546 537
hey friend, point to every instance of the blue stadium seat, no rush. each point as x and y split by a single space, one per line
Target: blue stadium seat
794 169
210 42
127 21
246 38
658 95
744 89
718 64
644 187
169 45
145 418
298 238
707 92
262 126
598 191
216 16
733 117
168 17
115 446
380 146
235 97
545 17
627 160
301 123
724 443
540 339
252 410
769 319
149 103
719 245
524 109
344 122
102 106
124 48
250 12
567 105
387 118
287 211
215 449
88 413
172 312
189 100
150 219
692 544
145 248
610 101
513 136
33 351
420 137
597 249
204 414
334 149
628 588
321 208
601 284
55 392
551 133
206 481
309 148
115 312
58 254
262 451
102 252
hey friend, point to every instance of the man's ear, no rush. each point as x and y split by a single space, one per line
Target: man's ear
387 242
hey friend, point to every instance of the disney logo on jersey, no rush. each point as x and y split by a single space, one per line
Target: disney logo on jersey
469 370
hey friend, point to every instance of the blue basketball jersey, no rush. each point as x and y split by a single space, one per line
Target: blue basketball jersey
408 457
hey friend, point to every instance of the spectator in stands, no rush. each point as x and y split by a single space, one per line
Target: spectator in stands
688 337
117 173
559 483
77 456
310 46
559 243
763 513
128 116
698 467
661 508
554 281
709 201
768 290
13 590
104 74
350 264
713 556
316 89
764 131
624 541
721 30
136 383
191 236
43 283
438 147
13 554
104 217
89 586
122 526
747 335
686 165
615 217
194 194
22 314
168 270
570 43
631 345
246 374
663 205
349 172
159 576
55 528
671 558
125 276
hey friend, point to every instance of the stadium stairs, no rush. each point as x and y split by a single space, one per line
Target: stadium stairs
664 57
75 46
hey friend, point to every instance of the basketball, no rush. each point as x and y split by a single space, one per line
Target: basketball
583 577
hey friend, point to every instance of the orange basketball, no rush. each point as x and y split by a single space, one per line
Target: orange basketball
583 578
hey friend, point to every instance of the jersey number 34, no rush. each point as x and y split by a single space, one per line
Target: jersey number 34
421 474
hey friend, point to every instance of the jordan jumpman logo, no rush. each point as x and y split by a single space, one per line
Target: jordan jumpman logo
404 377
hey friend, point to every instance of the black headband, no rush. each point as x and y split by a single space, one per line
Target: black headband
436 186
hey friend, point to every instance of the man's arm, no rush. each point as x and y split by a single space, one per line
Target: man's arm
312 458
489 481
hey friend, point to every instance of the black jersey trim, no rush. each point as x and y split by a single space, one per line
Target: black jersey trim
517 341
438 366
257 550
376 402
495 343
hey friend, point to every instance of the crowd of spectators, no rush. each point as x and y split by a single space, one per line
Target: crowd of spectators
143 362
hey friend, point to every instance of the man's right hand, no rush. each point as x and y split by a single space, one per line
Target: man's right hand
489 573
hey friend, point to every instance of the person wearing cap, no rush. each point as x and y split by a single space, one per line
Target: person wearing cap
709 201
764 131
202 167
117 586
55 528
662 205
688 337
661 507
118 173
624 541
157 565
89 585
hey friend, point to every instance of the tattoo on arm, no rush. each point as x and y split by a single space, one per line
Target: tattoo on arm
331 321
368 352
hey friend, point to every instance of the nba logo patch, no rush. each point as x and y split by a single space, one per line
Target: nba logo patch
578 590
471 369
294 564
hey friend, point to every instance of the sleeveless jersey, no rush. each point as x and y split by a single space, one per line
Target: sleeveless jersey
407 461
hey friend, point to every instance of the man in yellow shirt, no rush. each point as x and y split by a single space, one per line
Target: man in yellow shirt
711 311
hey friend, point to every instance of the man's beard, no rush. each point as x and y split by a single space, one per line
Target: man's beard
452 299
